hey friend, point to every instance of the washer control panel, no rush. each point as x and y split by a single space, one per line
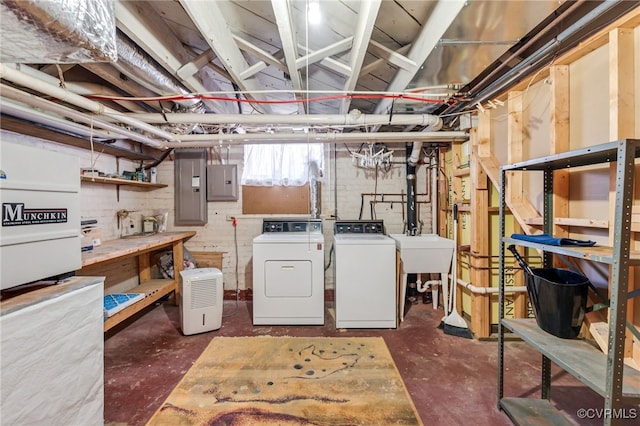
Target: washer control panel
292 225
359 227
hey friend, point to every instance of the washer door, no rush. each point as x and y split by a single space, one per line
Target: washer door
288 278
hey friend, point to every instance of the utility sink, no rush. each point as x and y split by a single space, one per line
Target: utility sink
424 253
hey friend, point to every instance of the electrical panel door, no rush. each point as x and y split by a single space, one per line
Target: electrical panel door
222 182
190 187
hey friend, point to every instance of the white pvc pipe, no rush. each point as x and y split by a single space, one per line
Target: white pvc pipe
415 154
489 290
36 101
206 140
20 111
351 119
64 95
424 286
79 88
434 195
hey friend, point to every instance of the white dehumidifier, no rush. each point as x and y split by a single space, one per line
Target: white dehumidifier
201 300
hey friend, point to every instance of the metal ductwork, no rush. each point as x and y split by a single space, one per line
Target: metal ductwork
144 70
572 22
63 31
76 31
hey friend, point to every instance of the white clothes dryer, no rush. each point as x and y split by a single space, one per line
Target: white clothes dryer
288 273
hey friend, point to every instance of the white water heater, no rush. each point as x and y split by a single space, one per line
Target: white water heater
201 299
40 232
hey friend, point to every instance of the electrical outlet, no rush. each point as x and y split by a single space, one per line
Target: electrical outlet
230 218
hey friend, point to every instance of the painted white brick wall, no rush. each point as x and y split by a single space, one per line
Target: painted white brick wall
344 186
352 181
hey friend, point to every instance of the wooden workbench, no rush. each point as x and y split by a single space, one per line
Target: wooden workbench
141 247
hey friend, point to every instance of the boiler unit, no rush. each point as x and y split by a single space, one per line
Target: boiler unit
40 234
201 300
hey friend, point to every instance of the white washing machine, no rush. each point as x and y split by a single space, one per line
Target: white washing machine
365 295
288 273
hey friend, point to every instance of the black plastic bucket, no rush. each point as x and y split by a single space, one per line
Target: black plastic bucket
558 298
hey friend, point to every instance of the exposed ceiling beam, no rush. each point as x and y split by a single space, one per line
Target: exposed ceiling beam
325 52
209 20
113 76
393 57
259 53
282 12
212 65
330 63
190 68
439 21
370 67
366 21
149 31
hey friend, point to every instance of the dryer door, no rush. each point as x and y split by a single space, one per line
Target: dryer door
288 278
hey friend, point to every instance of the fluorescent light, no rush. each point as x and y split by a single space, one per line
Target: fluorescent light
313 12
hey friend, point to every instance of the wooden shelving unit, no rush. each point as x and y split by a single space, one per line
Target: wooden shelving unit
604 373
141 248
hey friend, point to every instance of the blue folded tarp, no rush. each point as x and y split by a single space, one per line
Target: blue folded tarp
553 241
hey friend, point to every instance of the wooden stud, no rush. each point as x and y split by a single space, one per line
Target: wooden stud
480 273
144 267
622 113
560 143
178 259
515 187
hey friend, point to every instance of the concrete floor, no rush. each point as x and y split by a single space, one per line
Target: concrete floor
452 380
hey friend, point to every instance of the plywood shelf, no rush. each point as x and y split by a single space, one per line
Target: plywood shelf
153 291
116 181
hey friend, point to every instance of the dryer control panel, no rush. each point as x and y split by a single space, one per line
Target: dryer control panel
359 227
292 225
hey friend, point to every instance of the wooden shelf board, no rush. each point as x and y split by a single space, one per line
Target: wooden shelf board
117 181
533 412
576 356
153 290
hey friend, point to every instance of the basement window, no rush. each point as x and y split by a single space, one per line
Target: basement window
277 178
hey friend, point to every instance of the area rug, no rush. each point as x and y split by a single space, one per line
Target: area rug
290 381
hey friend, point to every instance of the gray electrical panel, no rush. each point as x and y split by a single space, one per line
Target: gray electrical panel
222 182
190 187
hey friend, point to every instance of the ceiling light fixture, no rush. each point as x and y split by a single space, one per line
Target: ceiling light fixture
313 12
